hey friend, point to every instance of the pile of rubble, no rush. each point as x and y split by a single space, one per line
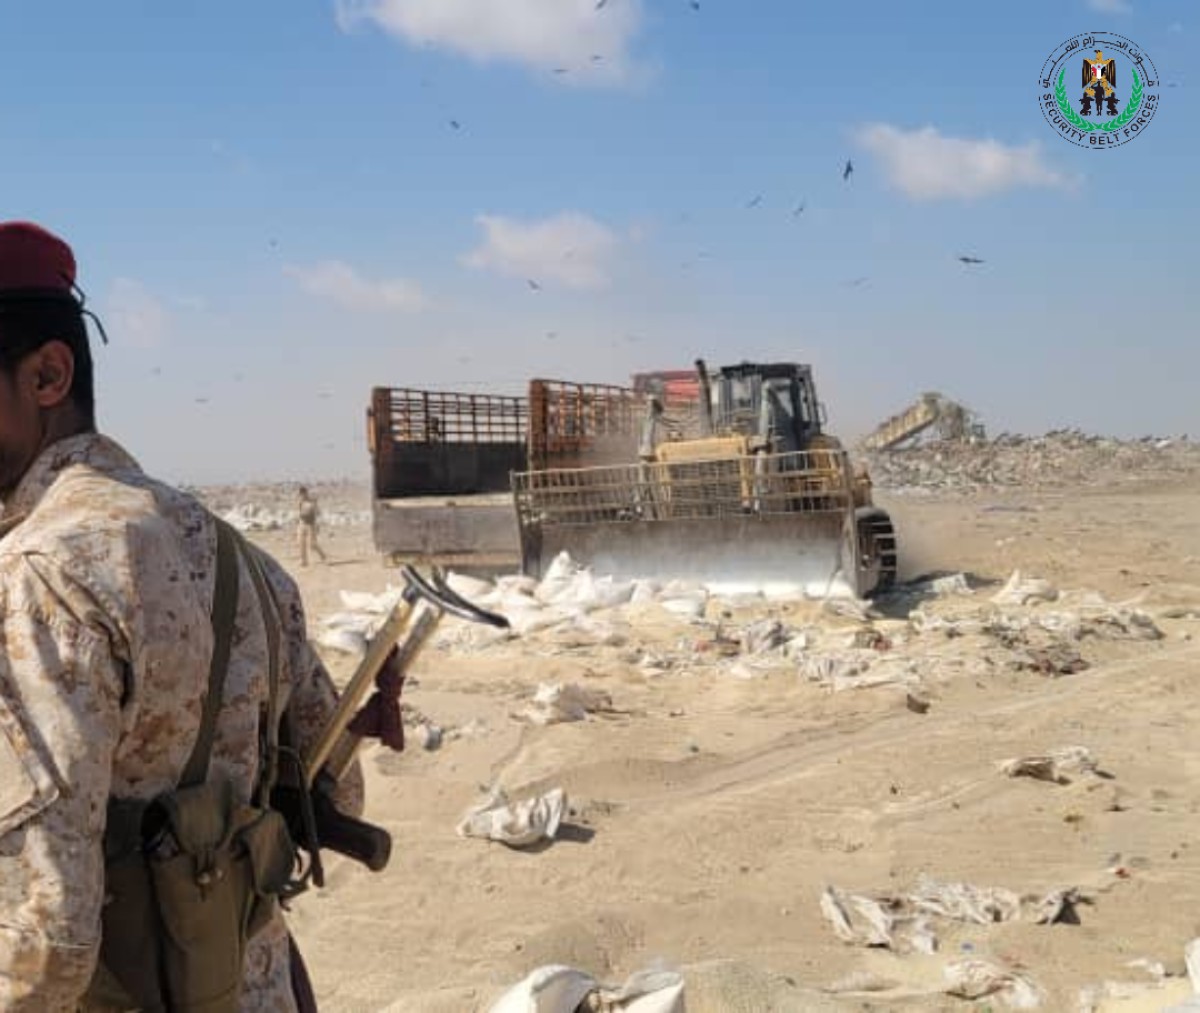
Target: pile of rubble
1062 457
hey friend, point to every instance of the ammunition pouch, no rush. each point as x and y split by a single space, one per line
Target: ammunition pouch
191 878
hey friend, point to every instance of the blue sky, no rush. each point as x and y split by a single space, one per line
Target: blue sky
273 212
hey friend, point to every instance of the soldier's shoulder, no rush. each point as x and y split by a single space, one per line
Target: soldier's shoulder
86 507
106 544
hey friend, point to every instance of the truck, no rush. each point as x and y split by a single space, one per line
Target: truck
441 463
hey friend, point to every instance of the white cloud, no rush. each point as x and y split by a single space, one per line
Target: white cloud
591 45
135 317
928 165
569 248
1110 6
339 282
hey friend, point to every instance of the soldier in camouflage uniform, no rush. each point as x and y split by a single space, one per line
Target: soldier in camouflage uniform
106 586
308 515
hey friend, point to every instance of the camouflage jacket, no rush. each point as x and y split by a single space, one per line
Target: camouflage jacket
106 584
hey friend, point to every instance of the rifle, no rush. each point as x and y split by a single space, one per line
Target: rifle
304 793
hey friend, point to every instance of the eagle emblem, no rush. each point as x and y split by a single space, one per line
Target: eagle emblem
1099 86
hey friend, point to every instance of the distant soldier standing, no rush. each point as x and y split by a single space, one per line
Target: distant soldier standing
306 529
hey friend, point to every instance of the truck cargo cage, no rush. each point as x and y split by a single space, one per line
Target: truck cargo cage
576 424
441 462
444 442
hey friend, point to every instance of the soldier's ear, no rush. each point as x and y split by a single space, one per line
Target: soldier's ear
52 371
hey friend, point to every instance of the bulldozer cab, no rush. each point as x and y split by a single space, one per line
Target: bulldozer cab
773 405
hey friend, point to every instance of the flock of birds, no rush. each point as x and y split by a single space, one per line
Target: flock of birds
755 201
534 285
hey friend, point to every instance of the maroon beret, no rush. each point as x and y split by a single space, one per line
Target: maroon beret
34 260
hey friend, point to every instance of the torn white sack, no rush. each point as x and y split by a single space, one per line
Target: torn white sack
1056 766
556 702
560 989
517 824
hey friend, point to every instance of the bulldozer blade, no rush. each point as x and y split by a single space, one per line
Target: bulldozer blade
782 524
778 555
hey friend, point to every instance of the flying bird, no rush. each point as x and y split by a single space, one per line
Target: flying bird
848 169
456 125
858 281
597 57
799 210
562 70
755 202
533 285
695 5
970 260
600 4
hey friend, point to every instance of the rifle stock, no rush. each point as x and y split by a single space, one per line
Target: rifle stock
307 801
315 822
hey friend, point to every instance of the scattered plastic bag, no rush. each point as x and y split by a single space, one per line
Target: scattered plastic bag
921 621
877 922
1055 766
964 902
856 919
1024 590
343 640
471 588
975 979
828 669
689 604
558 702
764 635
954 583
374 604
894 919
645 591
560 989
552 989
642 992
524 619
848 608
516 824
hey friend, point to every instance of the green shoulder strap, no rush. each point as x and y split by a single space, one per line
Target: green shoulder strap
272 617
224 611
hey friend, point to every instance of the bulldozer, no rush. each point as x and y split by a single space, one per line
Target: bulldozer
739 489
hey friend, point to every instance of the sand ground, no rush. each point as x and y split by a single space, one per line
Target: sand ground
710 811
